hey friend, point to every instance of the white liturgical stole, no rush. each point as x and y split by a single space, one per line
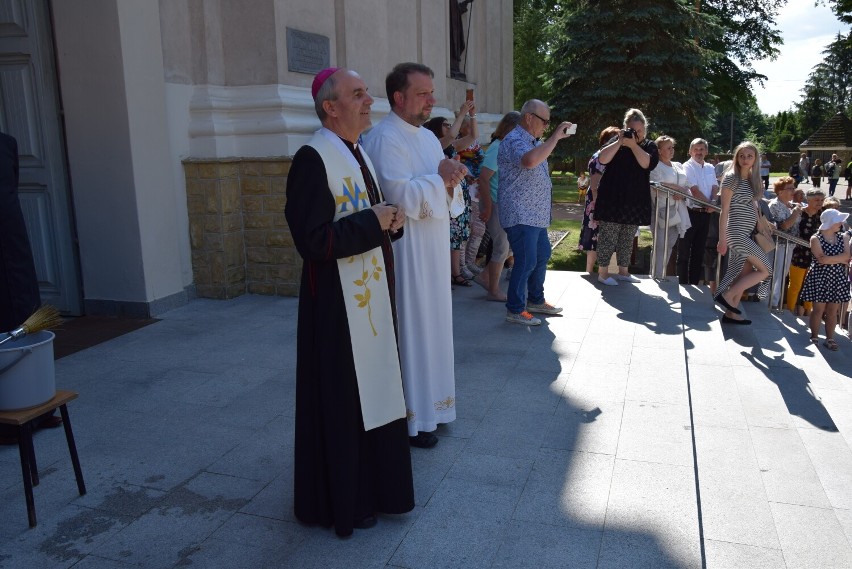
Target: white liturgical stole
365 291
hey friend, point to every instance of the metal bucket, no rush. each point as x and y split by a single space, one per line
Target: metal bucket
27 376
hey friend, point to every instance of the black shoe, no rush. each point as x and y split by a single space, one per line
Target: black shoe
365 523
726 320
721 300
423 440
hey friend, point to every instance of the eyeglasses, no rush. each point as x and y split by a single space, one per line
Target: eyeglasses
542 119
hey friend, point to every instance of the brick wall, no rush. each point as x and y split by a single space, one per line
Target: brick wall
238 234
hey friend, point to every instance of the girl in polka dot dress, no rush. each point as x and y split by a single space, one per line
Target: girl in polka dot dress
827 283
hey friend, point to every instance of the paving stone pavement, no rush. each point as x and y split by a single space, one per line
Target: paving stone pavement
634 431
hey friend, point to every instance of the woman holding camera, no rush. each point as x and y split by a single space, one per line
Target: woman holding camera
624 200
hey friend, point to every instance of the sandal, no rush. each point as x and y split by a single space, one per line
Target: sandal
831 344
460 281
814 339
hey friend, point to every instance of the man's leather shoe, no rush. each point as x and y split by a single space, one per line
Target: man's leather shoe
365 523
729 320
423 440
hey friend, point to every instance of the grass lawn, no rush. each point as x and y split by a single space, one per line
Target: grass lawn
566 257
564 187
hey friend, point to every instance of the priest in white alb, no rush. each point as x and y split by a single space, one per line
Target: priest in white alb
414 173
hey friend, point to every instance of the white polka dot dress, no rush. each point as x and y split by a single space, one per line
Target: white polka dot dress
827 283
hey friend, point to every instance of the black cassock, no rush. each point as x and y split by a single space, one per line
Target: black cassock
19 294
342 472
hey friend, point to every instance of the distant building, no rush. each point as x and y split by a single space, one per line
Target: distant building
833 137
155 136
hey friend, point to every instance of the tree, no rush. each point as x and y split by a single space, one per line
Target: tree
829 87
843 9
786 135
749 123
531 44
639 56
815 107
747 34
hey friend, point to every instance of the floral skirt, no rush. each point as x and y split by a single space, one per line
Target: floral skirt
460 226
589 232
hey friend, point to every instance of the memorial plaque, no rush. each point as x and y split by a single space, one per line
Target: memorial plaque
307 52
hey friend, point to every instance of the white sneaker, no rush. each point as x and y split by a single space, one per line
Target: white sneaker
627 278
543 308
609 281
522 318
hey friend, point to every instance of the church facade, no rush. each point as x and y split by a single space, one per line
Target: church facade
155 137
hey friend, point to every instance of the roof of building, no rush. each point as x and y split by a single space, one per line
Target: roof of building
835 134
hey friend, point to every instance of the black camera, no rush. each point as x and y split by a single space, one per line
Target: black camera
628 133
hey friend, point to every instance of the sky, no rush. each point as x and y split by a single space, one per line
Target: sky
807 30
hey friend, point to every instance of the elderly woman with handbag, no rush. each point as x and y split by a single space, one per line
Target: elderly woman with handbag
671 218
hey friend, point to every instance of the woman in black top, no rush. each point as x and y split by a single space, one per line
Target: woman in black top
624 201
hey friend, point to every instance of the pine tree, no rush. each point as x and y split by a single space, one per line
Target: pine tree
612 55
816 106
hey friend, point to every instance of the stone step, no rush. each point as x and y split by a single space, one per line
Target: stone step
774 468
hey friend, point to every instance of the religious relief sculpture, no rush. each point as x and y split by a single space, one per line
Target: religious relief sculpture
457 42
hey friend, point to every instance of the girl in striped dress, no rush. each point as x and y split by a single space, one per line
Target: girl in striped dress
827 283
748 264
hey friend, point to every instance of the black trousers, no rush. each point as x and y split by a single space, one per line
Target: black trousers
690 248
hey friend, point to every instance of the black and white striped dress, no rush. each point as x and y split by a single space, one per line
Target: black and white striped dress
742 219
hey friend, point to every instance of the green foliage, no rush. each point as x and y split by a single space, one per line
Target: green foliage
786 133
829 87
632 53
747 33
531 44
749 124
843 9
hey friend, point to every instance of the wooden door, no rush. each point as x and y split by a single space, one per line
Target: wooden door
30 111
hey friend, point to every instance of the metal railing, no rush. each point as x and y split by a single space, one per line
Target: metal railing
780 236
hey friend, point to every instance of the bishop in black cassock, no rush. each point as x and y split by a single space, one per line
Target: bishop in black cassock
352 457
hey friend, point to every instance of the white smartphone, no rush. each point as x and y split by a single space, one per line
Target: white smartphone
571 129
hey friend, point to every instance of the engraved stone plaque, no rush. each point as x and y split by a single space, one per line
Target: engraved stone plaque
307 52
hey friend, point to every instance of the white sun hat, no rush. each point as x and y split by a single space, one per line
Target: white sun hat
831 216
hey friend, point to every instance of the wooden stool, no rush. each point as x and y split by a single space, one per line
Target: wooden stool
24 420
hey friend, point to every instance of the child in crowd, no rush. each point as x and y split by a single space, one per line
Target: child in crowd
831 202
582 186
827 282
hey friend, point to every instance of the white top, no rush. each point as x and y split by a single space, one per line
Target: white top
701 175
673 174
406 159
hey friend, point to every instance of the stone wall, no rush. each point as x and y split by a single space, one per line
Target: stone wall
239 237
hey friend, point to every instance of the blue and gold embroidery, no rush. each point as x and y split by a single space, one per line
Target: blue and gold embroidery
352 195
